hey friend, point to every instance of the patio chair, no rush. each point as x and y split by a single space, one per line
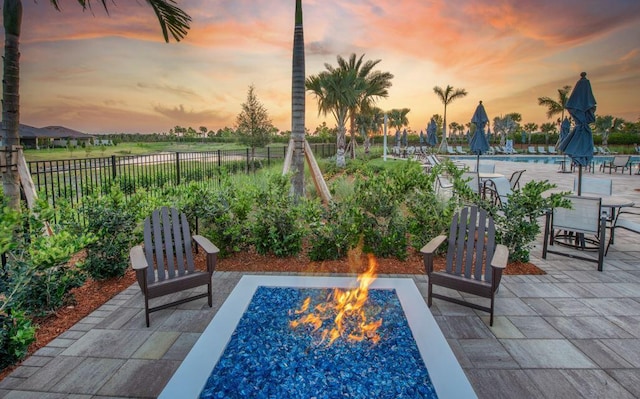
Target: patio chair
514 180
451 151
165 264
583 227
594 185
498 190
473 181
459 150
541 150
489 167
627 219
552 150
473 266
531 150
619 162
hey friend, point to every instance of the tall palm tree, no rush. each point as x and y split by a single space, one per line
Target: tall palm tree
556 107
298 104
447 95
173 21
377 84
530 128
398 117
337 92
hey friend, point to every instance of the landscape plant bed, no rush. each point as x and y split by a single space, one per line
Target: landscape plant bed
94 294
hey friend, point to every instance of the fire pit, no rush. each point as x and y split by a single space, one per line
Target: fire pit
253 333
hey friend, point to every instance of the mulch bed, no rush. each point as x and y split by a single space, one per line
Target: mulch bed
94 294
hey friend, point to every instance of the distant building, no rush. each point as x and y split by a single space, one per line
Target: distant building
51 136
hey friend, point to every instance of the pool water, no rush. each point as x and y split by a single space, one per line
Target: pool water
550 159
265 357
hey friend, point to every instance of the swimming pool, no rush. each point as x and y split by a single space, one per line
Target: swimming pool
550 159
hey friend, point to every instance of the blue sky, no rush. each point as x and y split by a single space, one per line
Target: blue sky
105 74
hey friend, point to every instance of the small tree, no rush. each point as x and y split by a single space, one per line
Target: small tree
253 123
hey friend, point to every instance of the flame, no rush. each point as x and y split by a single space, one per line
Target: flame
347 310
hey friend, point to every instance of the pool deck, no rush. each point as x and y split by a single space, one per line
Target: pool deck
572 333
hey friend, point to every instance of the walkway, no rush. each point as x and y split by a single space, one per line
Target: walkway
572 333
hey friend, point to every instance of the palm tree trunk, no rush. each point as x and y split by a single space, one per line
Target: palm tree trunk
298 104
341 162
352 132
12 17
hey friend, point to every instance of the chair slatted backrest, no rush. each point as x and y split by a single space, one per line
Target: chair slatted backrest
583 217
471 242
167 244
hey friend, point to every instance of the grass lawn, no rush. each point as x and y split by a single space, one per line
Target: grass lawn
127 149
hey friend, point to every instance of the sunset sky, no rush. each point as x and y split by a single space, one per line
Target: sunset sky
101 73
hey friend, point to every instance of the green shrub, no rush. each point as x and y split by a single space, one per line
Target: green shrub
276 228
333 230
383 225
517 225
16 334
225 221
110 219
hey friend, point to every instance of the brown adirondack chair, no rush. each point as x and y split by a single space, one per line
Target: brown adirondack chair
474 262
165 264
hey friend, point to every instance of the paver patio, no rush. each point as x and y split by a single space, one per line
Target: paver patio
572 333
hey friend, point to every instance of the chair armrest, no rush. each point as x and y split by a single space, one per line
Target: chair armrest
138 260
205 244
431 247
500 257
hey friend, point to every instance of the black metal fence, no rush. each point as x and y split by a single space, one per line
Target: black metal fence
70 179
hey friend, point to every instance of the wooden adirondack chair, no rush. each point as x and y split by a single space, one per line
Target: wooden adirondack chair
165 264
474 261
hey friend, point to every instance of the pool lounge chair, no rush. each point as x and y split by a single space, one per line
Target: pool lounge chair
552 150
451 151
541 150
619 162
531 150
459 150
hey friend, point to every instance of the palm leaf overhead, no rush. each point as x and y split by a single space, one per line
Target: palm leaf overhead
172 19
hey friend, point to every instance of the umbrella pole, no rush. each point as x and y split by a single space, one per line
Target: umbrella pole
478 173
579 179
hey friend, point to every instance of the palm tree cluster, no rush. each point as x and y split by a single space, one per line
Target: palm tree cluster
349 90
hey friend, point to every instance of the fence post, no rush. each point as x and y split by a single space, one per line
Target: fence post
113 167
248 166
177 168
268 156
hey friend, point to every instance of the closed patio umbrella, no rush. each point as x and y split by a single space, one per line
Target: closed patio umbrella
432 137
579 143
479 144
397 138
404 138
